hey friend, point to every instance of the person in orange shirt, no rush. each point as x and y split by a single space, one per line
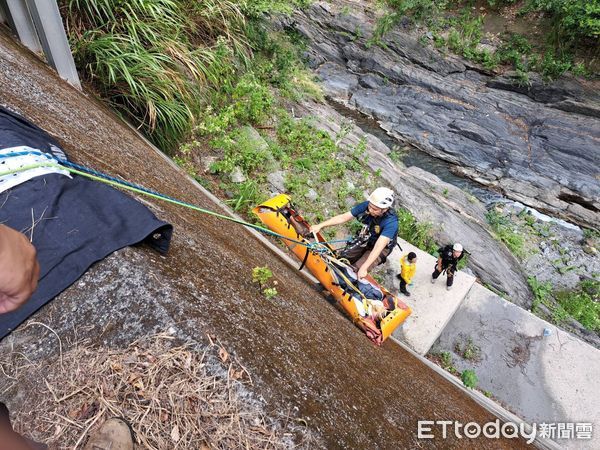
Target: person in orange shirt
408 265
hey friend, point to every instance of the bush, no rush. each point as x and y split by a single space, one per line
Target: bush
469 378
572 18
247 195
154 61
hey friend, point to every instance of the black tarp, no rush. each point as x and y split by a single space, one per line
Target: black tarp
76 222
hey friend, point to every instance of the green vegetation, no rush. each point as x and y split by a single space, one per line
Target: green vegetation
246 196
571 19
583 304
262 276
591 234
541 291
270 293
159 62
463 262
444 360
468 350
397 153
469 378
154 60
418 234
573 27
505 232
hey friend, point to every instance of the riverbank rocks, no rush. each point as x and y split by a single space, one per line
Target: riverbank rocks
454 214
537 144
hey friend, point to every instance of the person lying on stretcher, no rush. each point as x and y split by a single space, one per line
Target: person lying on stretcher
372 303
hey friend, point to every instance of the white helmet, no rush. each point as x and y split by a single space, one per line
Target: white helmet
457 247
382 197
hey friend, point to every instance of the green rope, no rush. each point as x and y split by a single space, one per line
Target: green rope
159 197
317 246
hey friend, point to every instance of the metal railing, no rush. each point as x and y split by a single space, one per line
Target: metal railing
39 26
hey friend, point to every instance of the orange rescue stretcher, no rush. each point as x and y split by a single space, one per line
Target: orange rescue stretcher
280 216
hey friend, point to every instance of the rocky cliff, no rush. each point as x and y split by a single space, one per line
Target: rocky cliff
538 144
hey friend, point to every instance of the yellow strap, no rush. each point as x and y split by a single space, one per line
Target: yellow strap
344 277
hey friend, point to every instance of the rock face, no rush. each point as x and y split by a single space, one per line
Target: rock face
455 215
538 144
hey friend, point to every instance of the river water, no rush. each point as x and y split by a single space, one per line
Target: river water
412 156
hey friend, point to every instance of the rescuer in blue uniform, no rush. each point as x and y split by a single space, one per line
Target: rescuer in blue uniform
378 235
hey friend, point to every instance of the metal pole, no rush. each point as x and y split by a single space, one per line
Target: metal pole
51 32
20 21
4 12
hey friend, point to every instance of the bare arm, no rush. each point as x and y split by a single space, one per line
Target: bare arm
381 243
19 269
336 220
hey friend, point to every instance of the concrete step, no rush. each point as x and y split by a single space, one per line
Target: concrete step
433 306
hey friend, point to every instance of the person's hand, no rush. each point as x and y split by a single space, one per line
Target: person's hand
315 229
19 269
362 273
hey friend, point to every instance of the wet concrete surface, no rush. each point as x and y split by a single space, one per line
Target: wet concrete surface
305 356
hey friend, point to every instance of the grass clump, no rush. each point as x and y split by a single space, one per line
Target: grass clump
583 304
468 350
444 360
153 61
469 378
541 292
504 230
417 233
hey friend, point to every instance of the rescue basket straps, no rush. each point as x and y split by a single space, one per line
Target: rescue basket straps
333 262
63 164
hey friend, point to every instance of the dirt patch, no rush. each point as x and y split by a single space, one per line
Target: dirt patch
173 394
520 352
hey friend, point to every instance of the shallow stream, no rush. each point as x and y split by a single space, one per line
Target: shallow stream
412 156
